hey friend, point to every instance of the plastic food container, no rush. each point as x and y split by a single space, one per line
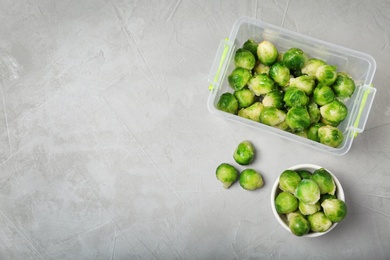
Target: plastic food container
359 65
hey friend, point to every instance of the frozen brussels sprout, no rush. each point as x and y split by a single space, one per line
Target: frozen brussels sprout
267 53
312 132
324 181
326 74
298 118
239 78
308 209
251 179
295 97
294 58
227 102
261 84
298 224
323 94
274 99
244 153
272 116
319 222
310 67
308 191
334 112
260 68
226 174
314 112
344 86
304 174
304 82
251 45
326 196
245 97
334 209
289 180
330 135
280 74
244 59
285 203
252 112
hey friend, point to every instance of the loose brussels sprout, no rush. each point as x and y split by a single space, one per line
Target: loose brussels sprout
272 116
326 122
326 196
289 180
298 224
244 59
323 94
324 181
251 179
245 97
295 97
326 74
227 102
319 222
294 58
261 84
239 78
312 132
274 99
244 153
334 111
298 118
344 85
335 209
226 174
301 133
267 53
330 135
308 209
252 112
260 68
285 203
280 74
314 112
310 68
308 191
282 126
251 45
304 82
304 174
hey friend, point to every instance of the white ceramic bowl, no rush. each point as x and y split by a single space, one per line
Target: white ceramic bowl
281 218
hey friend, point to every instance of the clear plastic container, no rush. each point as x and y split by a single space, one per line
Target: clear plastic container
359 65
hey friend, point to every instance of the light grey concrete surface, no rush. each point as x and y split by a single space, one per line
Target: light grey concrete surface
108 150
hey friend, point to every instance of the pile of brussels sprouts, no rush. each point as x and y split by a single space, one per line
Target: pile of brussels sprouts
309 201
289 91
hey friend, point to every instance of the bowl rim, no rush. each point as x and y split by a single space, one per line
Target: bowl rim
275 190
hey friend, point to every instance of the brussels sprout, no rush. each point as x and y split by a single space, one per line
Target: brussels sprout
285 203
326 196
326 122
324 181
267 53
274 99
298 224
308 209
314 112
308 191
295 73
289 180
312 132
323 94
245 97
295 97
344 86
304 82
261 84
310 68
282 126
244 153
260 68
244 59
330 135
326 74
304 174
298 118
226 174
280 74
272 116
227 102
251 45
252 112
335 209
294 58
239 78
334 111
319 222
251 179
301 133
